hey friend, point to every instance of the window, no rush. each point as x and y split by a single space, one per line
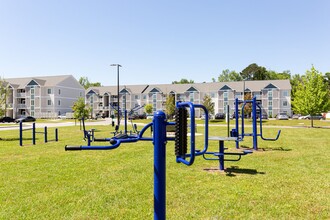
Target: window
59 92
225 96
212 94
59 102
32 102
270 94
136 96
238 95
144 96
154 101
285 103
270 104
49 102
285 93
191 97
49 91
270 113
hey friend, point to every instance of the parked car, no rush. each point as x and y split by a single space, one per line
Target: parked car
263 116
150 116
314 117
296 116
63 116
220 116
282 116
6 119
143 116
25 119
203 116
133 117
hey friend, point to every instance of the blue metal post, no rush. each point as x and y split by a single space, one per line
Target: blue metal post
34 133
237 124
221 156
45 133
20 134
159 141
125 113
254 123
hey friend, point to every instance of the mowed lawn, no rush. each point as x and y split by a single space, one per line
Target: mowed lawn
286 179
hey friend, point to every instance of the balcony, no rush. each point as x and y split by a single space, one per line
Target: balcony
21 95
22 106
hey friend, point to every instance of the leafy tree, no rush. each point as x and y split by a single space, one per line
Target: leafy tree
148 108
228 76
327 78
4 92
170 105
209 105
183 81
312 94
254 72
248 106
81 110
86 83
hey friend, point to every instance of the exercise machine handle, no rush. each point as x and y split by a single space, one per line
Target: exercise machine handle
191 155
71 148
261 134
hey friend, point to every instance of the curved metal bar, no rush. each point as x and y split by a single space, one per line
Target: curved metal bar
140 136
260 125
193 151
206 130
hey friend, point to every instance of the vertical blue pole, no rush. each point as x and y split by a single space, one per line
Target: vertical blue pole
20 134
244 103
34 133
45 133
125 113
221 155
254 123
237 124
159 141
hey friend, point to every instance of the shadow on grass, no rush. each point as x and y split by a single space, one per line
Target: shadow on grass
233 170
15 139
267 149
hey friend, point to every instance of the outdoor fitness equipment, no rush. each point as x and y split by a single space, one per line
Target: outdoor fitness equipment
125 114
34 132
240 136
159 140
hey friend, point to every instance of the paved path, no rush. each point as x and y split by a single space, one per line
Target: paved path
108 121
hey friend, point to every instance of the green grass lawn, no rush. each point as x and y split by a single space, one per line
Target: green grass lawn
286 179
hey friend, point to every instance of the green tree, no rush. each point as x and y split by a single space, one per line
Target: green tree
248 106
254 72
228 76
86 83
183 81
170 106
209 105
148 108
312 94
81 109
4 92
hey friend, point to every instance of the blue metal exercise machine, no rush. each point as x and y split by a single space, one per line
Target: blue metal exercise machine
159 140
256 109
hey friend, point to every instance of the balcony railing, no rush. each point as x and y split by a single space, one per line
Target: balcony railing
21 95
21 106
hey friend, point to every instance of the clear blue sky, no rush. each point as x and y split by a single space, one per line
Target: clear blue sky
161 41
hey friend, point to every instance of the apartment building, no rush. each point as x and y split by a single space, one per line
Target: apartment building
274 96
42 97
